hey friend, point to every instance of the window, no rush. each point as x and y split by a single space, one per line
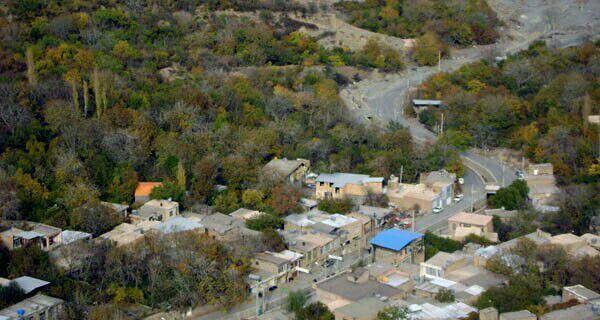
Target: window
337 190
321 184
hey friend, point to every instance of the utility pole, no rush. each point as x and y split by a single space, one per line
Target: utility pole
413 221
401 172
442 125
502 164
439 60
472 199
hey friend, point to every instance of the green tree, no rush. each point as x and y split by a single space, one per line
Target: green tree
227 202
296 300
393 313
512 197
333 205
252 199
123 184
434 244
444 295
264 221
10 294
94 218
315 311
168 190
428 49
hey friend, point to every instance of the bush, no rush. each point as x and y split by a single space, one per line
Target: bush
434 244
264 221
512 197
444 295
428 49
331 205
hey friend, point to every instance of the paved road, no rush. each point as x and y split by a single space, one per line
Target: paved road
501 174
473 191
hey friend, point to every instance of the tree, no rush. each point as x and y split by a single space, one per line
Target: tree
265 221
204 173
252 199
393 313
9 202
522 292
295 301
284 199
94 218
123 184
315 311
434 244
227 202
168 190
272 240
333 205
428 49
444 295
512 197
10 294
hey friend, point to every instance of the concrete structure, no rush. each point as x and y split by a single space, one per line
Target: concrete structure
363 309
462 224
245 214
28 284
179 224
380 216
543 191
418 197
125 233
518 315
70 236
38 307
274 268
419 105
579 293
573 245
293 171
227 228
353 286
341 185
156 210
490 313
14 238
315 247
396 246
504 215
143 190
441 264
121 209
588 311
440 182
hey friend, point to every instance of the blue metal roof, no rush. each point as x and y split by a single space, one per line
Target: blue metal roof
395 239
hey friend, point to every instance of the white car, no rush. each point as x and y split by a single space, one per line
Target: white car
437 210
458 198
461 181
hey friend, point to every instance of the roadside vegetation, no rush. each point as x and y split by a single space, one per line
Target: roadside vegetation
458 23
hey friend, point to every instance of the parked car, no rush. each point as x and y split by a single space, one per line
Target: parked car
520 174
458 197
437 210
328 263
272 288
461 181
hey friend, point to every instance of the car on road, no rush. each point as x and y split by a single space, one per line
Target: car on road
461 181
458 197
437 209
272 288
328 263
520 174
